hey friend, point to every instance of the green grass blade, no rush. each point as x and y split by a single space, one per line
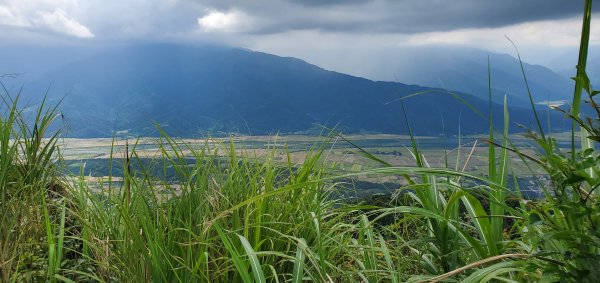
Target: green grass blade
298 272
532 103
581 76
491 148
369 257
235 257
61 236
497 194
388 260
259 275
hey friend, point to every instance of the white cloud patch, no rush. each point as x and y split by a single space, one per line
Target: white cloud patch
232 21
59 21
557 33
10 18
41 16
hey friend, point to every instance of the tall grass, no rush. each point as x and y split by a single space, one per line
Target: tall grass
28 177
215 220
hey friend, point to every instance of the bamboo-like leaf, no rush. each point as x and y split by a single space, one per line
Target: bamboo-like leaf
481 222
488 273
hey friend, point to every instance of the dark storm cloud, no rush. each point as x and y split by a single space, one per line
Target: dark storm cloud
404 16
160 19
440 15
329 2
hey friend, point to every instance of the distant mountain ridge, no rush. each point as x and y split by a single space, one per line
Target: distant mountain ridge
197 90
460 69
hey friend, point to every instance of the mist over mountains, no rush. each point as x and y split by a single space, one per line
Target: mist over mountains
459 69
212 90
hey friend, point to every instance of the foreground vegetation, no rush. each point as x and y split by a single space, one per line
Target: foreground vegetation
236 219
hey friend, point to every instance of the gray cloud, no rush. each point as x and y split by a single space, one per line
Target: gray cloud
400 16
160 19
329 2
337 34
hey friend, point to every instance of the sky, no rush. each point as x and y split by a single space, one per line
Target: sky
315 30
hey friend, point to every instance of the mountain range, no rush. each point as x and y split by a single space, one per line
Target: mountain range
192 91
458 69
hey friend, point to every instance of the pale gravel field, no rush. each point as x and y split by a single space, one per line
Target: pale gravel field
471 157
